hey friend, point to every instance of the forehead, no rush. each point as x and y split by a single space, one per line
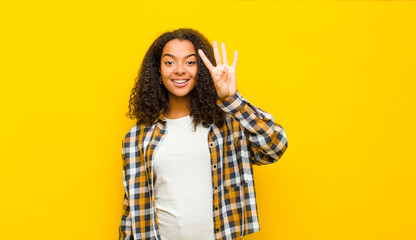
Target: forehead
178 47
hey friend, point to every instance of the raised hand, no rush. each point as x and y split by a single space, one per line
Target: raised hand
222 74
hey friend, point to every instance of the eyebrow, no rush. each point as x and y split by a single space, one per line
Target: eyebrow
170 55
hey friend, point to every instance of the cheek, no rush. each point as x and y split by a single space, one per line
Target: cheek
194 71
164 71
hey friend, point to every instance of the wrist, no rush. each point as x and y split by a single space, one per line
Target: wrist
225 99
228 97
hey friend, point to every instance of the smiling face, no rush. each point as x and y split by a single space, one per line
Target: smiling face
178 68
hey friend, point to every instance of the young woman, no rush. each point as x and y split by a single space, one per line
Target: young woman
187 163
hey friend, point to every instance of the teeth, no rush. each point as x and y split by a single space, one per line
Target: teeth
179 81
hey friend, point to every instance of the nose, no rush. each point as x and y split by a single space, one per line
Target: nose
179 69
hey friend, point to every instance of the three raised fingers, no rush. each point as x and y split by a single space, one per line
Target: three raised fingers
217 57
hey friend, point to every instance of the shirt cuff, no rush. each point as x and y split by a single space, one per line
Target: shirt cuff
232 105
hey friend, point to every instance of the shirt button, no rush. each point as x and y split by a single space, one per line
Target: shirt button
211 144
215 166
216 208
218 229
215 188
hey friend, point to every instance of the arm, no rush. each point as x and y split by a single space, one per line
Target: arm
125 230
267 139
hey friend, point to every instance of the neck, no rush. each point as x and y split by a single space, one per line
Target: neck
178 107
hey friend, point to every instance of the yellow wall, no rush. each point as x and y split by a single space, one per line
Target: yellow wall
339 77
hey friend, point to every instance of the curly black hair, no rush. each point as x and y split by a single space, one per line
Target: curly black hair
149 98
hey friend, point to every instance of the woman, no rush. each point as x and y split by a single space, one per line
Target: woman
187 163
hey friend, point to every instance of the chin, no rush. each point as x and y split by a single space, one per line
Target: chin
184 92
180 94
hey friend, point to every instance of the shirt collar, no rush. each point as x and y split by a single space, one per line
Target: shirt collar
161 118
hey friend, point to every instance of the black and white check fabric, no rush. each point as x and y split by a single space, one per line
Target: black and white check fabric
249 136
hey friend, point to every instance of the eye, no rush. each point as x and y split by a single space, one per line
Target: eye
168 63
190 62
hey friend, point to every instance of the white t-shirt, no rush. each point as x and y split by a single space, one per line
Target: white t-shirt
183 182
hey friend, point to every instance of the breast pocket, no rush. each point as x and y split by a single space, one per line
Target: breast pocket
232 167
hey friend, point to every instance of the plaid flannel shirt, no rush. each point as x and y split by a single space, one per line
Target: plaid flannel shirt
249 136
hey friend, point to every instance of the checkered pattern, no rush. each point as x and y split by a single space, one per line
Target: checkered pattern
250 136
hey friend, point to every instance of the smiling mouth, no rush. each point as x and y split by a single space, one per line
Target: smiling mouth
180 80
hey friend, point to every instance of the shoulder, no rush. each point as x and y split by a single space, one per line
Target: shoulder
134 132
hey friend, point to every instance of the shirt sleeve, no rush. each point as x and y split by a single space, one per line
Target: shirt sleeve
266 138
125 230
